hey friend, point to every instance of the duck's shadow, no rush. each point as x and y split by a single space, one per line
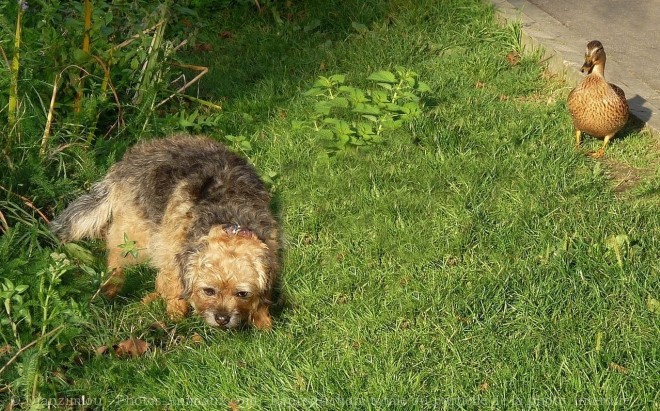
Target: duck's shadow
639 115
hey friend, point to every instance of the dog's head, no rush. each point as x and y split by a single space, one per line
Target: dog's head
228 278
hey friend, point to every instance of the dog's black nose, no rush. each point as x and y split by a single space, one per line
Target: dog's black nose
222 319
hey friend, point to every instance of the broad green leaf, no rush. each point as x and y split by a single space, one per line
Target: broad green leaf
323 107
394 108
383 77
340 102
323 82
391 124
365 129
246 145
343 128
410 81
338 78
357 142
408 95
313 92
379 97
364 108
355 95
21 288
412 109
347 89
422 87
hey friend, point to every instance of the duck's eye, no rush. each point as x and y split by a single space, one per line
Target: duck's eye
243 294
209 291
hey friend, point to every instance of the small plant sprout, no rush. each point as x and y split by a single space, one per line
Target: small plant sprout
129 247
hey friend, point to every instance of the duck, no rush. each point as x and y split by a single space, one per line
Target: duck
598 108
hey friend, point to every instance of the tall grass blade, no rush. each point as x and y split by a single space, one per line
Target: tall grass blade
15 66
85 49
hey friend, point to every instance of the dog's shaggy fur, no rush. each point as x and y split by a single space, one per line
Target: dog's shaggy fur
200 214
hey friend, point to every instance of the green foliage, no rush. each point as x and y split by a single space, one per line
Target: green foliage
198 123
42 318
348 116
111 89
15 309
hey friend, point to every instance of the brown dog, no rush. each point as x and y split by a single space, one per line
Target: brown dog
200 214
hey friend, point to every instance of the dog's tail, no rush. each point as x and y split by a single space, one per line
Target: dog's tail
87 216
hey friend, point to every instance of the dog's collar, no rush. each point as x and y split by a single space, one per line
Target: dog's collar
237 230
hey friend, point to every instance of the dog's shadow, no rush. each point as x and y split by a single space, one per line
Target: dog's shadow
140 281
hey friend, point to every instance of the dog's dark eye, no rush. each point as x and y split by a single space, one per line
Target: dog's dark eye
209 291
243 294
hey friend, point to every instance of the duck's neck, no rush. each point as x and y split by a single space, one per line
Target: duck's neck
599 69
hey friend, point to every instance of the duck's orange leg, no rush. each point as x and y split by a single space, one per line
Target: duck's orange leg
601 151
578 139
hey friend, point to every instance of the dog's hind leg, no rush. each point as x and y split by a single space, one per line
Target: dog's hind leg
127 243
115 281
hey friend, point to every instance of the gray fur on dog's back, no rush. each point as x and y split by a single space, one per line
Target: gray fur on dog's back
225 188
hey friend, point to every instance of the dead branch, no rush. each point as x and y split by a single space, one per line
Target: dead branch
49 118
28 203
202 71
22 350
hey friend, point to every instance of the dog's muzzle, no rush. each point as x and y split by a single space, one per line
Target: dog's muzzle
222 319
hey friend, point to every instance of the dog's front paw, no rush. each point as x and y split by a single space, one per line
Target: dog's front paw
177 309
113 285
261 319
111 288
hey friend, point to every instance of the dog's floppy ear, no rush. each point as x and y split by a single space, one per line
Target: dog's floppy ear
260 317
182 260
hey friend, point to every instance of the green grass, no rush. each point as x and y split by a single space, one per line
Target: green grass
463 264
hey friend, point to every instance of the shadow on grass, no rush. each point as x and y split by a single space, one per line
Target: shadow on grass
251 51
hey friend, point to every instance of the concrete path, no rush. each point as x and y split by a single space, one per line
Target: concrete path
629 31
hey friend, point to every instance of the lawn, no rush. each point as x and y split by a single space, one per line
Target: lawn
473 259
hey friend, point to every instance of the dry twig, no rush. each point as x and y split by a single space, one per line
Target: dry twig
30 345
28 203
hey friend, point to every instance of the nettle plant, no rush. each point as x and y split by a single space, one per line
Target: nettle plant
347 116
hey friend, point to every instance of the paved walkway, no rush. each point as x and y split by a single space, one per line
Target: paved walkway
629 30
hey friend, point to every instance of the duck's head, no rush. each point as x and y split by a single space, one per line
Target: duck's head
594 57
